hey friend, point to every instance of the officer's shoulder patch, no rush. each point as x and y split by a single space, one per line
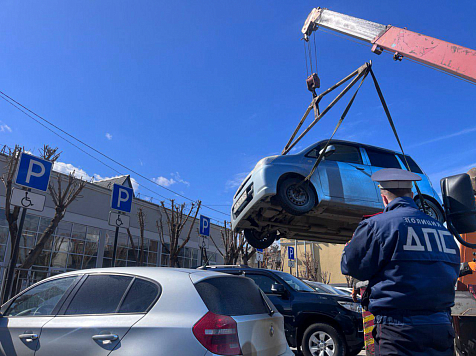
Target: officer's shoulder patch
365 217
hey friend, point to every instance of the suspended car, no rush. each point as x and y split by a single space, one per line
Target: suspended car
275 201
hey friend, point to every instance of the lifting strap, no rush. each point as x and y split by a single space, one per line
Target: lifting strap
363 73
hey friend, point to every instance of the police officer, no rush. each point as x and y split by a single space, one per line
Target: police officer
412 263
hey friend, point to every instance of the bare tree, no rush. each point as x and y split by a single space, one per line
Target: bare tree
272 258
232 244
247 252
141 218
312 270
13 157
62 199
131 240
176 218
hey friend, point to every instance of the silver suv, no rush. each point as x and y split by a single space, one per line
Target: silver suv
272 201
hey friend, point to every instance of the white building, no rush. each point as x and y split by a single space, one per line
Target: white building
84 239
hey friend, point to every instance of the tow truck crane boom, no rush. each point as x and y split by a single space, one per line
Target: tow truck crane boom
451 58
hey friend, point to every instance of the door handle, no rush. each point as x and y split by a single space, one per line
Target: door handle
28 337
360 168
105 337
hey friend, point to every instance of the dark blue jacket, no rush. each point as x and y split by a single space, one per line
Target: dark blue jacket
411 261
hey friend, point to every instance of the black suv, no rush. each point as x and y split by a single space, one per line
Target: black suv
314 322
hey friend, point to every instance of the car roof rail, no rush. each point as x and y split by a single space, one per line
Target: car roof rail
223 266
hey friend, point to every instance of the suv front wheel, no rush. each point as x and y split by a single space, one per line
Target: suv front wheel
322 340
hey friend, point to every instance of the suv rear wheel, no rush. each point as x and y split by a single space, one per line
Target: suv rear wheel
431 209
322 340
296 196
260 239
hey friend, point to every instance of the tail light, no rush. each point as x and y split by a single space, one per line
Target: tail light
218 334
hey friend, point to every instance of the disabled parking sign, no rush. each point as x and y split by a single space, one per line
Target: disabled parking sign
121 198
33 172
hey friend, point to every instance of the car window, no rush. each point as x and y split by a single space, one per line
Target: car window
343 153
40 300
295 283
413 166
264 282
232 296
99 294
382 159
139 297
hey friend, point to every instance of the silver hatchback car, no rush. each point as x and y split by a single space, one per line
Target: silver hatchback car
142 311
273 202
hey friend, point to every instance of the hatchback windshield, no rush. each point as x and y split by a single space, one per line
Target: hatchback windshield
294 282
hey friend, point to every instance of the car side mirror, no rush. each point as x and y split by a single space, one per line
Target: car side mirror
278 289
460 206
329 151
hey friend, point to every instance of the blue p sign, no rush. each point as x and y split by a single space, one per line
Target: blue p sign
204 226
121 198
290 253
33 172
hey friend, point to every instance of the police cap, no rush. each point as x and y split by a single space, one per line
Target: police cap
392 178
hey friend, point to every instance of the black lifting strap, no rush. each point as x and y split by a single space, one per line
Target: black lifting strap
390 121
344 114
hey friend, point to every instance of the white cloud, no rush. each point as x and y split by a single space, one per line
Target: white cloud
235 181
67 168
444 137
179 179
167 182
164 181
108 136
5 128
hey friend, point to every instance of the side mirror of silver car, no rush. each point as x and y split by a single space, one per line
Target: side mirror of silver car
329 151
460 206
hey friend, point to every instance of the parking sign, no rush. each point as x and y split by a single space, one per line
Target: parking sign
290 253
33 172
121 198
204 226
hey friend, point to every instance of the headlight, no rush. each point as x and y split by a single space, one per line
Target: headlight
264 161
355 307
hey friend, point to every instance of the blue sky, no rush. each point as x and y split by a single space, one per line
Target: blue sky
194 93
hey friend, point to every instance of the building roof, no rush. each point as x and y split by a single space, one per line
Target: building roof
124 180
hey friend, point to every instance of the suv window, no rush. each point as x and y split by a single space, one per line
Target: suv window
40 300
231 296
343 153
139 297
413 166
263 282
382 159
294 283
99 294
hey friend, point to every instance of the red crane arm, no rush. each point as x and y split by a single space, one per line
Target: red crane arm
451 58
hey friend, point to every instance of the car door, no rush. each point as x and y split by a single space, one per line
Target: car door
23 317
380 159
282 302
344 177
91 322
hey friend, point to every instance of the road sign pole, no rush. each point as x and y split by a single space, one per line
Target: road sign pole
7 290
114 249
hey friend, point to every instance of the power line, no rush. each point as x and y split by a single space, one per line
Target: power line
10 100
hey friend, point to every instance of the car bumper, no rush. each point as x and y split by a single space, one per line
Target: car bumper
353 329
262 182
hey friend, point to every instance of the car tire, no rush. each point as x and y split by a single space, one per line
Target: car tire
296 196
432 209
320 339
260 240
